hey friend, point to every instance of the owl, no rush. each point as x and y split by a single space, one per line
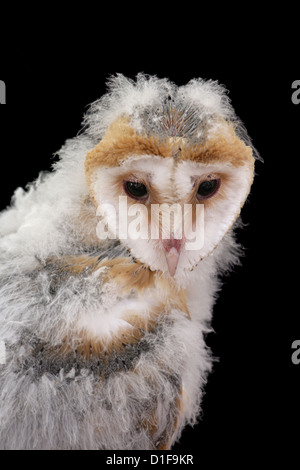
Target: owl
109 268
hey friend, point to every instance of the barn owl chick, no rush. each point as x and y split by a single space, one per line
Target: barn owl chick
109 268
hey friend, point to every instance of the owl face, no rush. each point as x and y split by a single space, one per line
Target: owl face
169 200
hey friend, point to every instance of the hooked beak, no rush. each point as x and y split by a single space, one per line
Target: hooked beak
172 249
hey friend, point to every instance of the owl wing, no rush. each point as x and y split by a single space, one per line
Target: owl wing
75 388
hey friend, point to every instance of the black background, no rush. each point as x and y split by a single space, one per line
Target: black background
251 398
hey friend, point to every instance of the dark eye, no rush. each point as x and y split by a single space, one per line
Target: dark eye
135 189
208 188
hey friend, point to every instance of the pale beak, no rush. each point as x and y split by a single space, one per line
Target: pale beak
172 251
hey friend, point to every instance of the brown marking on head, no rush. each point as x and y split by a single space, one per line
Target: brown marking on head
119 142
223 145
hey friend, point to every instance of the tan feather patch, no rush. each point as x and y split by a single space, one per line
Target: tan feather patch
120 142
129 275
223 146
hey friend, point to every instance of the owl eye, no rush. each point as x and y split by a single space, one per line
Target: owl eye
208 188
135 190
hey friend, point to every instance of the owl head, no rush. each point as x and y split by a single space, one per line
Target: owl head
172 168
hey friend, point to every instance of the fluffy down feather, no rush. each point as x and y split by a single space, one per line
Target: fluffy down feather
103 351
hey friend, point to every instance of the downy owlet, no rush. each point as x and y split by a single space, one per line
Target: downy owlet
109 265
